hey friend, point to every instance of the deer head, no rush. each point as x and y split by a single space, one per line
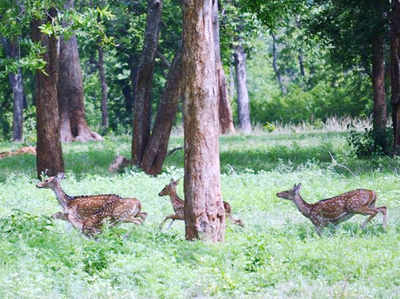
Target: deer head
168 189
291 193
51 182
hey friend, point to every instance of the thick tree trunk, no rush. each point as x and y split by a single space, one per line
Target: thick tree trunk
395 73
378 82
12 50
157 147
144 78
225 110
49 158
204 211
104 89
242 93
73 125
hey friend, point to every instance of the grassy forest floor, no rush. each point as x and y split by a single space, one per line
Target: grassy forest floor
277 254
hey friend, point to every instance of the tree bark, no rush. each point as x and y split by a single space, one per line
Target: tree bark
49 158
12 50
225 110
395 73
378 82
275 64
242 93
73 125
104 89
300 56
143 85
157 147
204 211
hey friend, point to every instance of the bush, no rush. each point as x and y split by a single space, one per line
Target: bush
314 105
363 143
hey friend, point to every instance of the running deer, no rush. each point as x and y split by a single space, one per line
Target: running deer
338 208
87 212
179 205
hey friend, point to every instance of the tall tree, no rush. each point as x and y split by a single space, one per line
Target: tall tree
378 83
395 72
378 77
242 92
225 110
144 79
73 124
204 211
11 48
49 158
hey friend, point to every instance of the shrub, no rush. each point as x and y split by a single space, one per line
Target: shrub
363 143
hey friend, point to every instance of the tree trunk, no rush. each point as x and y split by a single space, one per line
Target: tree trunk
225 110
300 56
104 90
275 65
49 158
204 211
73 125
157 147
301 63
378 82
242 93
395 73
143 85
12 50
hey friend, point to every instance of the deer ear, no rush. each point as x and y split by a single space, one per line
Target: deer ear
177 181
297 187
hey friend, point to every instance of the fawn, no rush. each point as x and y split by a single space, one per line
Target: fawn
179 205
87 212
338 208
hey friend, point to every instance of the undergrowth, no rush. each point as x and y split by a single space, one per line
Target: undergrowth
277 254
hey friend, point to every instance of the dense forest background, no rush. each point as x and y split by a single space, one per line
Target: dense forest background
308 65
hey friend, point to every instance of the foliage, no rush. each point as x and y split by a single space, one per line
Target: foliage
347 28
363 143
345 98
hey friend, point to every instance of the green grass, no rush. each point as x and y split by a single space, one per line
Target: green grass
277 254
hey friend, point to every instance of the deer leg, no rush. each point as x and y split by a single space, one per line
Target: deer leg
140 218
91 225
383 210
237 221
142 215
133 219
60 215
175 217
165 219
367 211
170 224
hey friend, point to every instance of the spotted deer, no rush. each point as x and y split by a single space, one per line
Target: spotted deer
338 208
87 212
179 205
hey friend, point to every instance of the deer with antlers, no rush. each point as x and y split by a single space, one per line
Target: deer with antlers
179 205
87 212
338 208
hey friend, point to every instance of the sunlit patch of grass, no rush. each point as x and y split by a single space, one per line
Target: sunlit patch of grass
276 254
